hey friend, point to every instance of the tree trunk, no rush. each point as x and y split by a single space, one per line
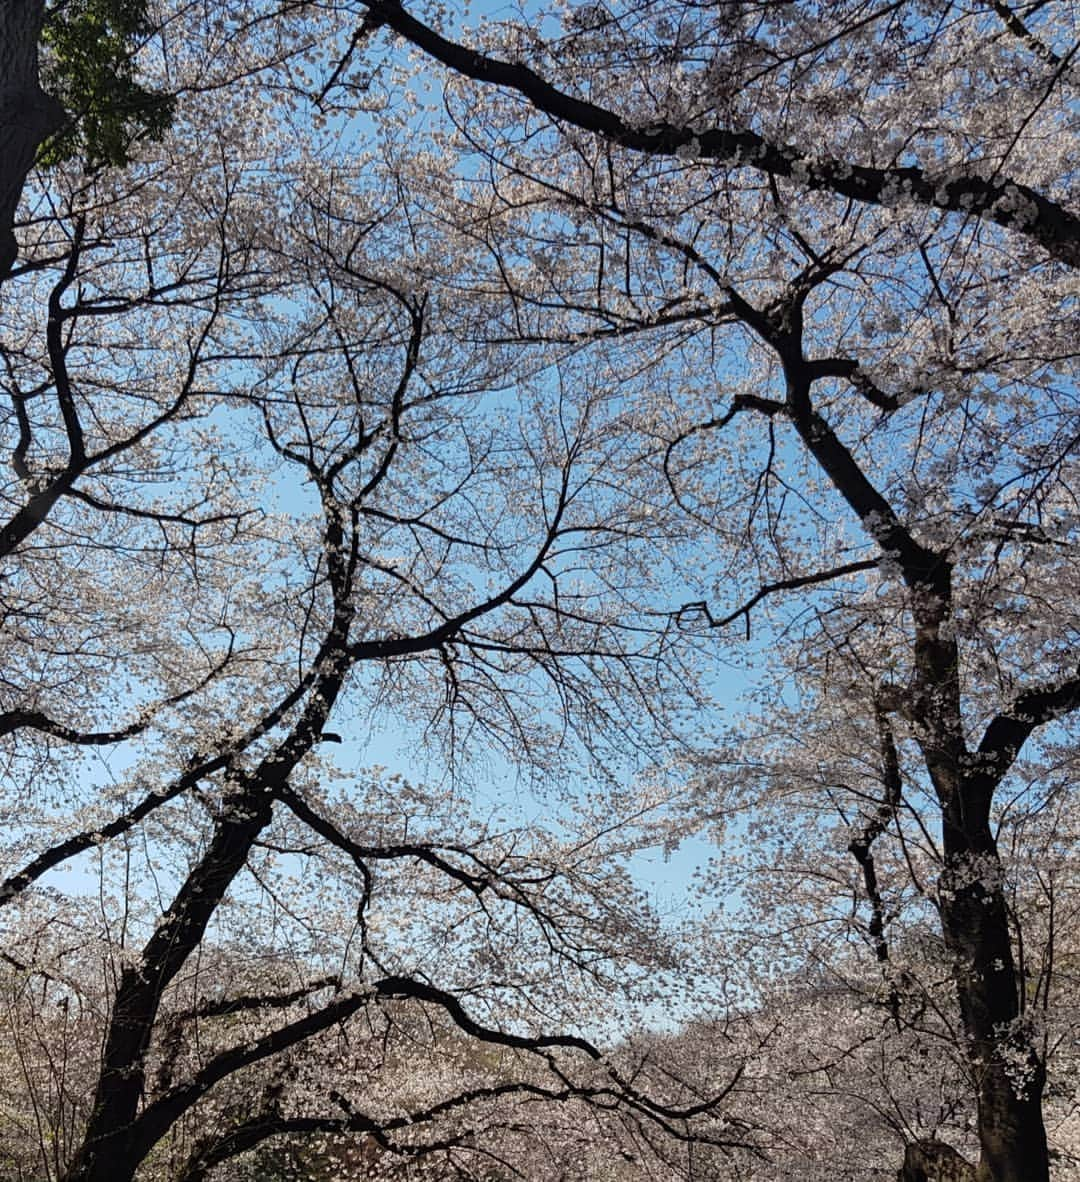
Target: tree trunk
934 1161
27 114
115 1143
1009 1072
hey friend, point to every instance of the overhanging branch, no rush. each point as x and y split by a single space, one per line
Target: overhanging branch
701 611
1009 730
1003 201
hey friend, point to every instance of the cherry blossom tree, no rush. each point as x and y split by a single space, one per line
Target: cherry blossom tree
832 254
264 490
662 329
839 887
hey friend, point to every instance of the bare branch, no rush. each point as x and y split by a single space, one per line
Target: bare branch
702 611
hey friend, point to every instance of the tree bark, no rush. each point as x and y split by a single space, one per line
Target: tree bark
934 1161
27 114
112 1149
1009 1072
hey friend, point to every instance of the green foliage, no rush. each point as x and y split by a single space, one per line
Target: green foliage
89 46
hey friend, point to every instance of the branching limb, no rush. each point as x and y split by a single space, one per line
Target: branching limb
161 1115
861 845
692 612
1009 730
175 1025
73 846
13 720
1004 201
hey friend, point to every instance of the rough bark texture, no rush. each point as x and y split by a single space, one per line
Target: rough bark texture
27 114
934 1161
1009 1074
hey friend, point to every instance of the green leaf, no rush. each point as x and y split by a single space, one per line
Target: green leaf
88 50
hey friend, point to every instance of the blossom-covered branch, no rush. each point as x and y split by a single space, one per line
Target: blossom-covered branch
1009 203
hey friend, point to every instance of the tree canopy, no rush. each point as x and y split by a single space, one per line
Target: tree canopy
509 383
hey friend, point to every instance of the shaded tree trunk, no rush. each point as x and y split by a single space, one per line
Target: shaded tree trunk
27 114
934 1161
1009 1073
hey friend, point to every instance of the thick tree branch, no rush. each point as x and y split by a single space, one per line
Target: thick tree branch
1008 203
408 987
175 1025
80 842
227 1007
159 1116
270 1123
1007 732
113 1127
922 567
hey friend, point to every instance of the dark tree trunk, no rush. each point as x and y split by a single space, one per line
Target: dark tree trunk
115 1144
934 1161
27 114
1009 1073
